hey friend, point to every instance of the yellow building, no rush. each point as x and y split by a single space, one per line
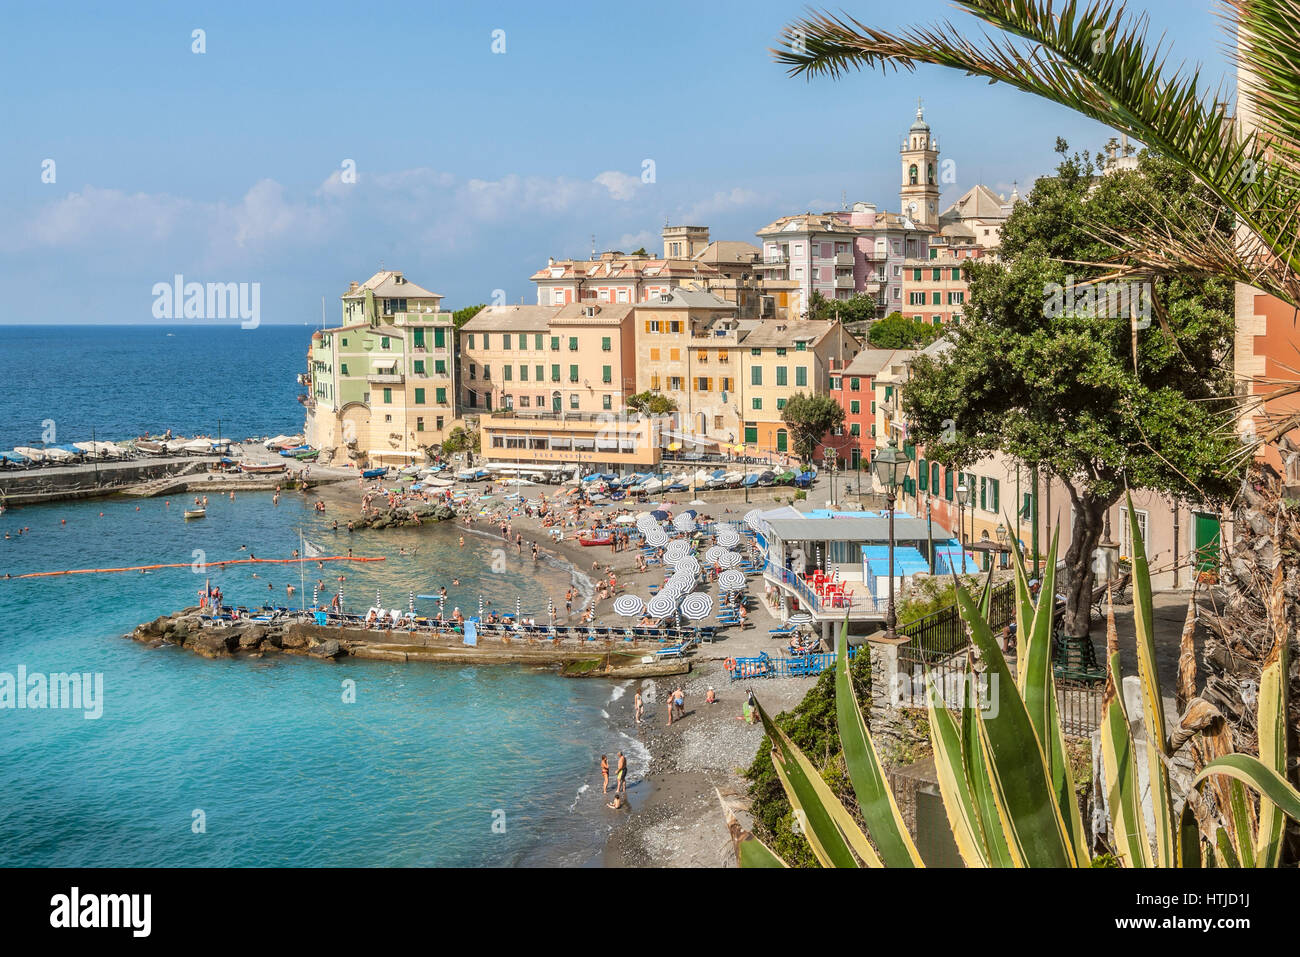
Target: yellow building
583 440
779 359
574 358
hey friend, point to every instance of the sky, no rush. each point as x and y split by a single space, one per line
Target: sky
309 143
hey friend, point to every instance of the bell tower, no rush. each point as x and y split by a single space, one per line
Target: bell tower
918 197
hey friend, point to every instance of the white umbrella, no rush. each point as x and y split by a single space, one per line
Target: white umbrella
731 581
697 606
684 522
686 563
799 618
677 549
629 606
728 536
656 537
661 605
730 560
712 552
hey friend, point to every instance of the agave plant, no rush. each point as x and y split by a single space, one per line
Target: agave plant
1006 784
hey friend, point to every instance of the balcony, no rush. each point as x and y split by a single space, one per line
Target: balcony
844 282
844 259
385 378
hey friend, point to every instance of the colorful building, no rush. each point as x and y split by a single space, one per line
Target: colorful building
382 387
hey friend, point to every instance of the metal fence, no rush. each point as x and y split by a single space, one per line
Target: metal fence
1079 706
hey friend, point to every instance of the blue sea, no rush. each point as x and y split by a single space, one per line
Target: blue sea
248 762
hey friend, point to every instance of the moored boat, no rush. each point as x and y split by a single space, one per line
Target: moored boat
195 513
595 538
250 469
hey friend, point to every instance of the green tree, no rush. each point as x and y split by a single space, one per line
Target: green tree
1043 365
858 308
651 403
897 331
461 316
810 416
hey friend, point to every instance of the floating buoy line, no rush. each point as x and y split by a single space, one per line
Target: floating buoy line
233 561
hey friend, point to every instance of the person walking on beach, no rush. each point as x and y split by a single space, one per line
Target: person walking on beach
638 706
604 773
621 786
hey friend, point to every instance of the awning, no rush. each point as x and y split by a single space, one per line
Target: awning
384 363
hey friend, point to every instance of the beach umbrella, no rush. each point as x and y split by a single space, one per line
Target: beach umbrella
410 602
696 606
656 537
442 605
677 548
799 618
629 606
315 595
518 606
728 536
730 560
661 605
713 552
378 601
731 581
686 563
480 604
645 521
684 522
659 515
550 609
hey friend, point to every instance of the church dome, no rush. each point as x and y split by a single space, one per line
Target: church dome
920 126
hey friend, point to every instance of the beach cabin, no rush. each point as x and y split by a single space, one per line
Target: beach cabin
834 564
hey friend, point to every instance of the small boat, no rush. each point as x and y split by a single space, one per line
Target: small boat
733 479
374 473
308 456
595 538
716 480
150 447
751 479
649 486
195 513
249 468
439 483
767 478
785 478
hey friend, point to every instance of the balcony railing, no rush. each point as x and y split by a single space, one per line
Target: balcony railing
386 378
844 259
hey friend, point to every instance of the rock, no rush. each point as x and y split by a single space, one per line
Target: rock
329 648
250 639
209 645
272 639
293 639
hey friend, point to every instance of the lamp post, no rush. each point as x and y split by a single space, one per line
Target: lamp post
963 497
828 460
891 467
1001 532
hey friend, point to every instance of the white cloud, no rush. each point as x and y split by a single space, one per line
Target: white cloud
719 203
629 241
621 186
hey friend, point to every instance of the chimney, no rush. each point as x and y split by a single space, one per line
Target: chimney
353 286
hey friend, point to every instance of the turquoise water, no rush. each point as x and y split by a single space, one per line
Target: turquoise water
283 771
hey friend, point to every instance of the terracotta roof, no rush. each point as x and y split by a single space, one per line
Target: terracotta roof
390 284
511 319
785 332
607 313
978 202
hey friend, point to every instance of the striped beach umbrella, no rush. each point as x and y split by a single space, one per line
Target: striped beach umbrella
628 605
799 618
685 522
730 559
677 548
518 607
480 604
315 595
550 609
686 563
661 605
754 519
656 537
378 600
712 552
410 602
728 536
731 581
697 606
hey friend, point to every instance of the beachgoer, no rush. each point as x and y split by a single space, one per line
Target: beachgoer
618 803
604 773
638 706
622 774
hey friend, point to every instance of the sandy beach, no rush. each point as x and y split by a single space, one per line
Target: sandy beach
674 818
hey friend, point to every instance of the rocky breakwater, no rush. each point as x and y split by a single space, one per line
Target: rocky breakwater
401 515
186 630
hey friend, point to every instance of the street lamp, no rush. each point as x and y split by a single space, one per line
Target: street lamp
828 460
1001 532
963 498
890 468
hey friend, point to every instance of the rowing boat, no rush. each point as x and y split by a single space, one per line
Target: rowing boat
195 513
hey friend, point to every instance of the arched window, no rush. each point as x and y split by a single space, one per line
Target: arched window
929 173
911 175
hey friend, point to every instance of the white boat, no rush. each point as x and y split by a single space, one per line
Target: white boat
197 447
58 455
32 455
702 478
195 513
650 486
732 479
439 483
